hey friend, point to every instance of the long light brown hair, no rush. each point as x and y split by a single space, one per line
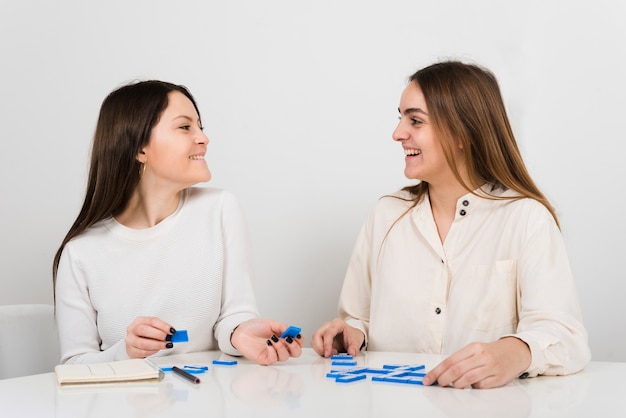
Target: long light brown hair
126 119
466 107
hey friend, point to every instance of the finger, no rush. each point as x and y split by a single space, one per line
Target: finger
353 348
279 347
328 339
332 345
317 340
294 346
445 373
151 327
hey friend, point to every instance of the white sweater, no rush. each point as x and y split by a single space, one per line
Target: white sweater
192 270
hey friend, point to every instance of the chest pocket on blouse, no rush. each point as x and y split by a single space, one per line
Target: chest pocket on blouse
494 288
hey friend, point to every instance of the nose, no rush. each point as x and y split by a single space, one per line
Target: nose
201 138
399 134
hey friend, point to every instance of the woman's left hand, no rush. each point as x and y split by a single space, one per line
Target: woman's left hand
258 340
482 365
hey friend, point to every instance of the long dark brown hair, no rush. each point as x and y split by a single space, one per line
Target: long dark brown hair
126 119
466 107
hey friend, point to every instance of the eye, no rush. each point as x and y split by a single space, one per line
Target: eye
416 122
185 127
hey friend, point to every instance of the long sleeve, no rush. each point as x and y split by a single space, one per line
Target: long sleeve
238 301
550 319
77 319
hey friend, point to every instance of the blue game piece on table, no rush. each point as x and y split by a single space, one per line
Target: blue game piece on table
180 336
404 380
292 332
225 362
350 378
343 363
194 367
188 369
342 356
333 374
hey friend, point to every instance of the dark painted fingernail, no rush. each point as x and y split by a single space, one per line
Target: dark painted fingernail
172 330
289 339
168 337
274 338
169 345
269 342
298 336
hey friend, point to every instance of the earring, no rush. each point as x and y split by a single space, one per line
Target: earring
142 169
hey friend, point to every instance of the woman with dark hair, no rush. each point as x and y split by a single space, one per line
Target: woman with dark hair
469 262
148 252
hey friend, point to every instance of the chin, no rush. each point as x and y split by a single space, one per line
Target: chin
411 175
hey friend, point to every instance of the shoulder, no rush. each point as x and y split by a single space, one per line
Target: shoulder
390 207
400 200
524 210
209 196
213 203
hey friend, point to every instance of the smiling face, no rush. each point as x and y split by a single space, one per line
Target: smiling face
424 156
174 156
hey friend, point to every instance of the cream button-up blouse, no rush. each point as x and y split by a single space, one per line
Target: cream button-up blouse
502 270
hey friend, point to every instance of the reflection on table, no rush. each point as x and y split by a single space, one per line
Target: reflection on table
299 387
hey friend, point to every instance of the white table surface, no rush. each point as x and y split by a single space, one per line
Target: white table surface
300 388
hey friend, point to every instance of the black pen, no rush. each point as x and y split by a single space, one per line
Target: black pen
186 375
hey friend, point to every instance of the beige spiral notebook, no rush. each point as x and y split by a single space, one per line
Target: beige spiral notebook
124 371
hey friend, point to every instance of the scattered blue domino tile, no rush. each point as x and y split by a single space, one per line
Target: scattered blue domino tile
356 370
414 367
350 378
225 362
404 380
409 367
180 336
195 367
333 374
188 369
343 363
292 332
341 356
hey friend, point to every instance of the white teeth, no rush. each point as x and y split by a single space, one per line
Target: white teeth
196 157
412 152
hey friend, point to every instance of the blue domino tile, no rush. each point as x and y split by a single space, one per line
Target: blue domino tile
225 362
180 336
350 378
403 380
343 363
410 367
292 332
341 356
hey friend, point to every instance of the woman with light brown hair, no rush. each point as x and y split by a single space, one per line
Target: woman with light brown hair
469 262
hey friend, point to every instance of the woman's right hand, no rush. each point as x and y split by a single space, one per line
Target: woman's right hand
148 335
336 337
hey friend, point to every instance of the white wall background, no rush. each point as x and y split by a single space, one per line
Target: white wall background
299 100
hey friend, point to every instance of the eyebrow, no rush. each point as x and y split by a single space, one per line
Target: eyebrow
413 110
184 117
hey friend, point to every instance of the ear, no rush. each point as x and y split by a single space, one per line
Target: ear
141 156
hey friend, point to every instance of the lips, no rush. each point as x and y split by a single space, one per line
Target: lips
411 152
